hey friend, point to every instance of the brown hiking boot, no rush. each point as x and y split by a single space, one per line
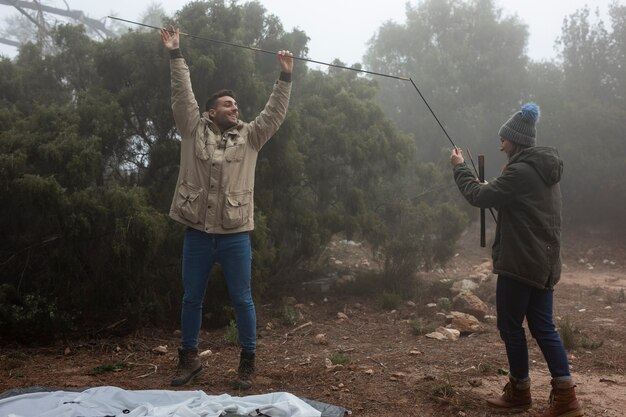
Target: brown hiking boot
189 366
245 371
515 398
563 402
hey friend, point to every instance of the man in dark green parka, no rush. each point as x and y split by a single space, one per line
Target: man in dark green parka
526 258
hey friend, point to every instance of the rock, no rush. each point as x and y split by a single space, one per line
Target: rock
436 335
475 382
485 267
160 350
369 372
464 284
205 353
342 316
464 323
443 333
451 334
321 339
467 302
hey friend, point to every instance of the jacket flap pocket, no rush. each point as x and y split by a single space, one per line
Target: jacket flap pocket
238 200
189 192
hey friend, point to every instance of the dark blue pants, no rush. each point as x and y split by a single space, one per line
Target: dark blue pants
516 300
233 252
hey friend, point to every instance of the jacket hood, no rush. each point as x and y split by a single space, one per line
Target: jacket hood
545 160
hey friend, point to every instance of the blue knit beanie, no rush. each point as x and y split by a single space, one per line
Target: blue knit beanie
520 128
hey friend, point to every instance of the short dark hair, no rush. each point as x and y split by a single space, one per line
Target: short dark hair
212 100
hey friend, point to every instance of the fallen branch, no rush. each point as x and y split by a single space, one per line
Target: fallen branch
149 373
380 363
302 326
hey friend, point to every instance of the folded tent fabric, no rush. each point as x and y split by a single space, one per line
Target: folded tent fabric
102 401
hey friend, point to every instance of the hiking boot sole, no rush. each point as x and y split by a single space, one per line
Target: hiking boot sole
509 410
178 383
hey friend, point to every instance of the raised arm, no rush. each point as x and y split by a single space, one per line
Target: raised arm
184 104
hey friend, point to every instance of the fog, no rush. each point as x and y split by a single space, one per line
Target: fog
341 29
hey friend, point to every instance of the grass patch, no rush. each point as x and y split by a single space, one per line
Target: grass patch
390 301
485 368
364 284
231 337
444 304
502 371
589 344
420 327
567 331
573 338
444 389
615 297
110 367
340 359
287 314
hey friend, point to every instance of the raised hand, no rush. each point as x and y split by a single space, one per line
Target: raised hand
456 157
171 38
285 59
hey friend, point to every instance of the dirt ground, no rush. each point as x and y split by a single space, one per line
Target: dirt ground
391 370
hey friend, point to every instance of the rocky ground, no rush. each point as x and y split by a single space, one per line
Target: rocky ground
363 355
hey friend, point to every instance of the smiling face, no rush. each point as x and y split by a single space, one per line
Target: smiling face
224 113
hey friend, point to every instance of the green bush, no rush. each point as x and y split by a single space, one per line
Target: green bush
390 301
32 318
340 358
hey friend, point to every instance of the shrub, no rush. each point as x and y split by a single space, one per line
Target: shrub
390 301
340 359
231 336
32 318
420 327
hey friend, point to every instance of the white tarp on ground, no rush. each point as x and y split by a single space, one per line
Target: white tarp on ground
116 402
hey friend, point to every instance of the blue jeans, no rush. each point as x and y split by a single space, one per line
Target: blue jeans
233 252
516 300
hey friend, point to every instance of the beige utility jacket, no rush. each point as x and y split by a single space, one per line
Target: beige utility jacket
215 187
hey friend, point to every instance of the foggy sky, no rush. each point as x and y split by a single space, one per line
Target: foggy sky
341 28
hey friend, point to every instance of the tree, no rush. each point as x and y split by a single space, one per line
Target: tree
468 61
89 158
586 123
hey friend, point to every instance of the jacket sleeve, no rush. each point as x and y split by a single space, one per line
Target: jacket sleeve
184 104
500 192
263 127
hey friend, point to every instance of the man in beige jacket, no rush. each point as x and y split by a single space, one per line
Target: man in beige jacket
214 199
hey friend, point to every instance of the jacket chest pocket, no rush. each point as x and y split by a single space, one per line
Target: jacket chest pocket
188 201
236 210
235 152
